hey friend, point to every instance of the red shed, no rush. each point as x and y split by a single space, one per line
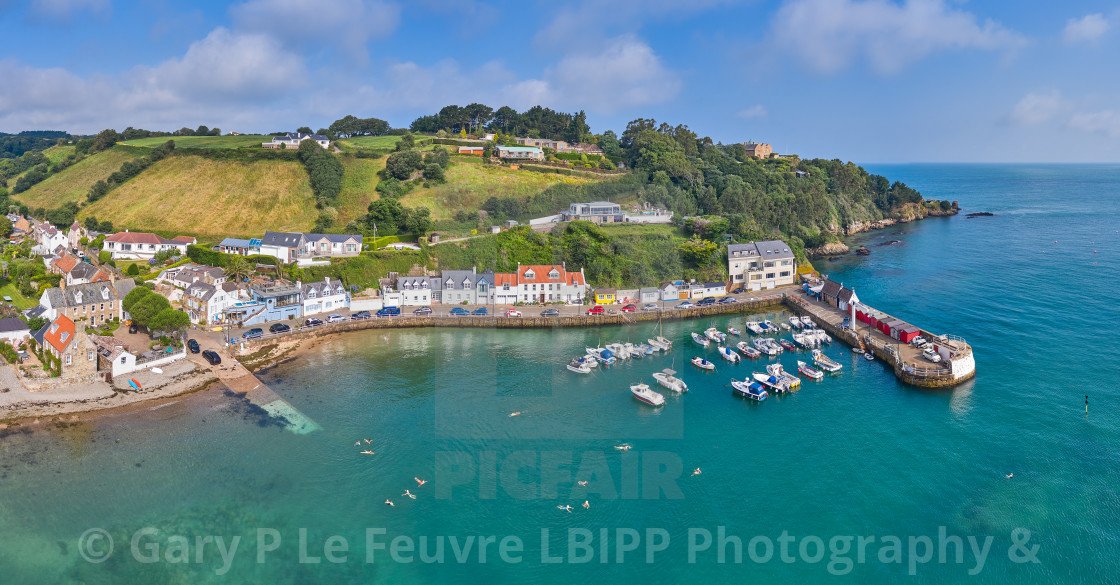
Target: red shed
907 333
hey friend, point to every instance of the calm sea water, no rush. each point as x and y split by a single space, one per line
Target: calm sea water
855 454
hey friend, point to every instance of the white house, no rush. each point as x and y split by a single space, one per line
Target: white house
550 283
13 330
699 290
128 245
322 297
759 265
113 356
284 246
50 238
206 302
293 140
415 290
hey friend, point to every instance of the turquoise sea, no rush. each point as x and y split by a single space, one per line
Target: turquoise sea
856 455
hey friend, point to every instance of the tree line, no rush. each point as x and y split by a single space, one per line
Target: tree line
535 122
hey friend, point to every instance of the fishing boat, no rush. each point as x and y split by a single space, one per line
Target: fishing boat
732 331
765 346
618 350
755 327
808 370
752 390
807 322
778 371
700 339
784 326
607 357
715 334
931 355
795 322
645 394
588 361
728 355
668 380
771 383
746 349
825 362
770 326
804 340
578 367
703 363
788 344
658 344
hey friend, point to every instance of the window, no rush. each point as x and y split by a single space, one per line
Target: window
69 359
102 306
89 355
124 359
786 273
769 275
756 277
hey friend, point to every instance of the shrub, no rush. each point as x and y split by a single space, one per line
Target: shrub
132 270
104 256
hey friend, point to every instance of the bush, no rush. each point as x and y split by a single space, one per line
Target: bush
132 270
104 256
9 353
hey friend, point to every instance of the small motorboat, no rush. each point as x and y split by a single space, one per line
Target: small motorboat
869 356
788 344
659 345
715 334
727 354
732 331
755 327
931 355
785 326
771 383
703 363
857 350
767 346
588 360
824 362
578 367
606 357
792 382
746 349
644 393
808 370
795 322
700 339
618 350
752 390
668 380
807 322
769 326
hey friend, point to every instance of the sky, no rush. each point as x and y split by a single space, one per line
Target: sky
861 80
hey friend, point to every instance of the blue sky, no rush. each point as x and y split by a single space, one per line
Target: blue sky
861 80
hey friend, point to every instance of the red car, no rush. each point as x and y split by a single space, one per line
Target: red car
629 308
596 310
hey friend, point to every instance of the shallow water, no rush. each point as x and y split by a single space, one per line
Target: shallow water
855 454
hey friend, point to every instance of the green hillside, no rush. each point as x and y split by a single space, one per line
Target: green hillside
220 142
72 184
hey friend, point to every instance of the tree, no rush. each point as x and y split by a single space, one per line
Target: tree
134 297
408 141
133 270
697 252
433 172
145 310
304 130
169 321
386 214
401 165
416 221
238 268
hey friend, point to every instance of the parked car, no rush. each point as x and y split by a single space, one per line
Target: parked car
423 311
361 315
704 302
629 308
550 313
684 305
279 328
335 318
728 300
192 345
649 307
312 322
479 311
212 357
459 311
254 333
739 291
513 313
596 310
389 312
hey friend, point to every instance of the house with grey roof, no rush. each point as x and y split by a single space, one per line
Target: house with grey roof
240 247
466 286
416 290
284 246
13 330
324 296
331 245
293 140
95 302
206 303
760 265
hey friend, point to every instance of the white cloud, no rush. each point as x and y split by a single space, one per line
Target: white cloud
830 35
592 20
1106 121
296 23
755 111
1085 29
63 9
1036 108
623 73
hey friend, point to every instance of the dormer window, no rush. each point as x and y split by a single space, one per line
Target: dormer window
554 274
105 293
311 293
78 297
530 274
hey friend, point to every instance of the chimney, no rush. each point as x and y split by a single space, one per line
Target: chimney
62 283
299 284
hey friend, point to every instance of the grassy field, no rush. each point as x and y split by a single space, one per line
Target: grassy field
371 141
7 289
57 153
469 185
73 183
211 199
203 141
358 184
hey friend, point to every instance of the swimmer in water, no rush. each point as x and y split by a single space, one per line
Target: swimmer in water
696 471
567 508
420 482
1010 475
622 447
513 414
582 483
586 505
409 494
390 502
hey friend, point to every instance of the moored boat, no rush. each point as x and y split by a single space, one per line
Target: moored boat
714 334
785 326
826 363
771 383
746 349
808 370
792 382
788 344
644 393
752 390
588 360
795 322
703 363
578 367
770 326
668 380
755 327
732 331
658 344
727 354
700 339
869 356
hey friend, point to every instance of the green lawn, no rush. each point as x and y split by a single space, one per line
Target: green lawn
203 141
7 289
372 141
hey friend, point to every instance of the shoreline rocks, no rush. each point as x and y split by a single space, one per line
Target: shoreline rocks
829 249
863 251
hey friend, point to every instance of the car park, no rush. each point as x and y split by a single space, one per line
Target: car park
550 313
459 311
192 345
212 357
254 333
361 315
279 328
423 311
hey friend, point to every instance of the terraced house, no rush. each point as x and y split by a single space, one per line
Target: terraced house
95 302
324 297
760 265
